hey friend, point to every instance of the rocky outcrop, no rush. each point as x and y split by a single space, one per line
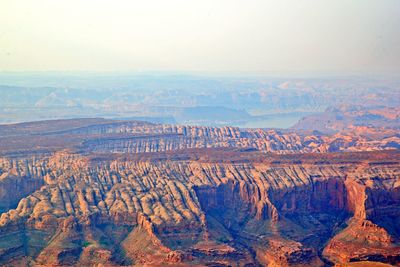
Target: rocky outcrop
18 179
203 211
375 205
105 136
127 193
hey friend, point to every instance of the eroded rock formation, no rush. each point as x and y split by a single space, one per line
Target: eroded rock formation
284 214
209 206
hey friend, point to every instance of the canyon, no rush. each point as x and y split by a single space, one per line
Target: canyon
99 192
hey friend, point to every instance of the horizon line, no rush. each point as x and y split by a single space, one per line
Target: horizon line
221 74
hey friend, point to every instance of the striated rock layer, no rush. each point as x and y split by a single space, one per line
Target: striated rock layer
95 192
259 210
108 136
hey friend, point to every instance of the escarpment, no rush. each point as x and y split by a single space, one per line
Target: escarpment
18 179
205 212
105 136
117 193
373 232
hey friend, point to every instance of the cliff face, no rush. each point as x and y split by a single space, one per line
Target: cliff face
87 136
128 193
15 184
159 138
203 212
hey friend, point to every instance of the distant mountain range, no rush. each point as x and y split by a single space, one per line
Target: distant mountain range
213 101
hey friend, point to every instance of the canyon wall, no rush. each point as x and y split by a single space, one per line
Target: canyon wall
122 193
202 212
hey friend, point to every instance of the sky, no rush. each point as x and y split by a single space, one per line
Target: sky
285 37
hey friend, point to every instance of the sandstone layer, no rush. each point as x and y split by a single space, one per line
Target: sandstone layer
100 201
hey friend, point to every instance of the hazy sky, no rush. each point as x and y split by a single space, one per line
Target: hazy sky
214 36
